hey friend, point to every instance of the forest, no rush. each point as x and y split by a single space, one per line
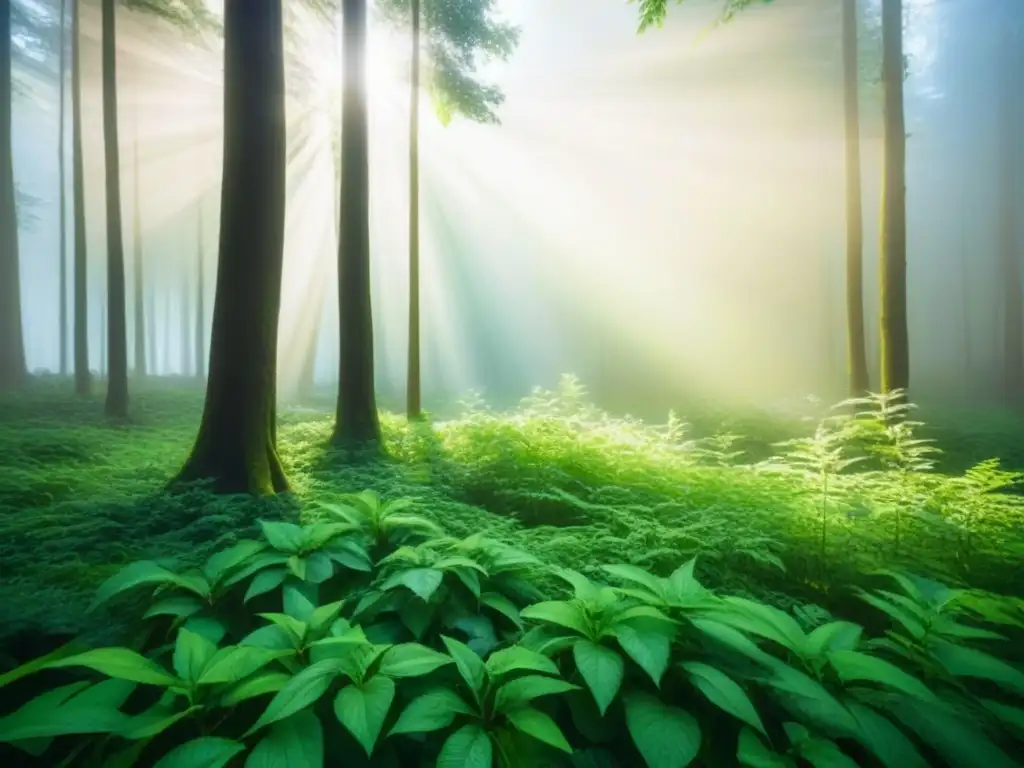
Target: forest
493 383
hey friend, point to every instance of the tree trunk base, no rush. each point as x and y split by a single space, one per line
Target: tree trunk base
255 472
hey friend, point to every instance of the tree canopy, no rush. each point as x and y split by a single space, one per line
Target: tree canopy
653 12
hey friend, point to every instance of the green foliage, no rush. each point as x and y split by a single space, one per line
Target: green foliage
653 12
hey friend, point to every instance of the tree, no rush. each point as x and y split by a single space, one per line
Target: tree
413 395
236 444
138 275
63 266
83 377
894 334
856 342
1010 128
12 341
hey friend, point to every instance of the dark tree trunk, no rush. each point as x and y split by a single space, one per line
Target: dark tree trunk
356 420
12 340
894 336
200 337
856 342
83 377
1010 128
414 406
139 307
117 341
236 445
63 194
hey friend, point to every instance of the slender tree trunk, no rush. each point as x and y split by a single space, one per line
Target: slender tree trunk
63 195
139 307
117 341
856 341
236 445
894 337
1009 194
83 377
200 338
413 404
165 351
356 421
12 341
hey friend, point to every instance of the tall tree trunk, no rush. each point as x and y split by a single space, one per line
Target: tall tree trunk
356 421
186 322
894 336
1010 128
117 341
856 341
165 350
12 340
236 445
83 377
63 195
200 337
139 308
413 404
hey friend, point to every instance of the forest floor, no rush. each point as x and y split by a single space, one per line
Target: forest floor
79 497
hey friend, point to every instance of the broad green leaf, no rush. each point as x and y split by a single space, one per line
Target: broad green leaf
884 739
258 685
763 620
295 628
667 737
724 692
522 690
834 636
502 605
564 614
286 537
683 580
753 753
297 605
235 663
469 578
585 589
191 653
1011 716
152 722
206 626
205 752
823 753
349 555
732 639
602 670
423 582
852 665
176 605
325 614
319 568
298 693
539 726
470 666
119 663
431 711
963 661
129 577
29 667
811 699
221 562
411 660
468 747
257 564
295 742
272 637
266 580
638 576
70 709
363 707
297 567
954 737
648 647
517 658
457 561
909 622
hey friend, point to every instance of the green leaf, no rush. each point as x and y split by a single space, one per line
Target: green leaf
724 692
852 665
602 670
522 690
257 564
176 605
823 753
295 742
431 711
753 753
299 692
234 663
191 653
1011 716
911 624
221 562
649 648
765 621
325 614
297 605
206 752
119 663
538 725
206 626
129 577
297 567
363 707
319 568
468 747
502 605
948 732
258 685
423 582
470 666
561 613
666 737
273 638
637 576
834 636
295 628
733 640
29 667
152 722
884 739
963 661
516 658
683 581
349 555
70 709
411 660
286 537
265 581
811 699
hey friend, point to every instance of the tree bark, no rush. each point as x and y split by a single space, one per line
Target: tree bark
356 420
12 341
63 194
83 377
200 330
414 407
856 341
117 342
1009 195
236 444
139 307
894 336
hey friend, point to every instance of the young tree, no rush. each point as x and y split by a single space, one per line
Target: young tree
1010 130
62 196
236 445
83 377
